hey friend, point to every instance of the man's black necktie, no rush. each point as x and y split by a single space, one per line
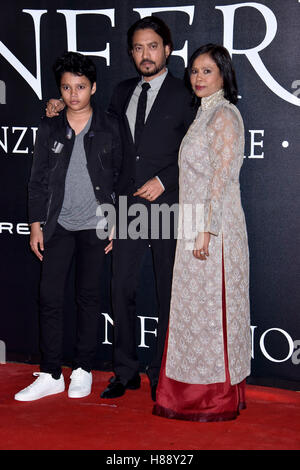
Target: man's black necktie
140 114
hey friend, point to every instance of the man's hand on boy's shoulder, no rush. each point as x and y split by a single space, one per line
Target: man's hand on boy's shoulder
54 107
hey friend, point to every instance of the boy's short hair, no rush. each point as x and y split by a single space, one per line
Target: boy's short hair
75 63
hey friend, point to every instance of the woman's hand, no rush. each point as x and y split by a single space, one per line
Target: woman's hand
201 246
54 107
37 240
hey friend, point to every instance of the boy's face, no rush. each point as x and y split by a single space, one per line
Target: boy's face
76 91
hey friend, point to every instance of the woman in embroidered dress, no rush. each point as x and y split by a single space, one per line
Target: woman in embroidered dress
208 349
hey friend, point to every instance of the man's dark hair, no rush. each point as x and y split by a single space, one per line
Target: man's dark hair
222 58
75 63
154 23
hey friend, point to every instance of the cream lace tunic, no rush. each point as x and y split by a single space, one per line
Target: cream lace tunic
210 159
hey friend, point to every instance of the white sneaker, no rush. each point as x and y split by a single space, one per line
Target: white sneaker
81 383
43 386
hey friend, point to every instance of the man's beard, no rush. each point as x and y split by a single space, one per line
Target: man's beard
151 72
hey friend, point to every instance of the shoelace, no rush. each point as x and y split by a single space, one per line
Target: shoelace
76 377
36 374
79 378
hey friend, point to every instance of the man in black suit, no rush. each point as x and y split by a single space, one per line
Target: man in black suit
153 121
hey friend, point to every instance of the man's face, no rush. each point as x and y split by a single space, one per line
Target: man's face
149 53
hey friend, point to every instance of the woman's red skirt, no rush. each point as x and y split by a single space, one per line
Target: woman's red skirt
197 402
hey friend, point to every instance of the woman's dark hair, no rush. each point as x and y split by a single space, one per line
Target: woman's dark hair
154 23
222 58
75 63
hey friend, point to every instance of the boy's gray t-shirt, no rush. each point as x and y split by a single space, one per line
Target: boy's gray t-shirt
79 205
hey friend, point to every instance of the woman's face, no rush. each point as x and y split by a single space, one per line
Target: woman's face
205 76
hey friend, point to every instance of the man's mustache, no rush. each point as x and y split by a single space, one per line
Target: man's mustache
147 61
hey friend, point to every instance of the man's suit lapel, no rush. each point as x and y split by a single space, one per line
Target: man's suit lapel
125 106
157 107
159 102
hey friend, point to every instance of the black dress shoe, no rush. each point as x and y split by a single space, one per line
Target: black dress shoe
116 388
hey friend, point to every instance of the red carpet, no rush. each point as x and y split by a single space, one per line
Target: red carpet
271 420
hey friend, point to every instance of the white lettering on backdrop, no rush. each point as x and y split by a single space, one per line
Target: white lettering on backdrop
253 53
71 16
229 11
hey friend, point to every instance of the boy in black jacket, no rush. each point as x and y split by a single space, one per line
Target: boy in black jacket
75 165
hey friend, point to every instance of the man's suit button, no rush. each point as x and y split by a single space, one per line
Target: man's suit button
137 158
97 188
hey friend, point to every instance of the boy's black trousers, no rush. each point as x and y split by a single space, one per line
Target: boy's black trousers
58 255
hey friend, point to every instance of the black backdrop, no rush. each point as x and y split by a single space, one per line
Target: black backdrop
263 38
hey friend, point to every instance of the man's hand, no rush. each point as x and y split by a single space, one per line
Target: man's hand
109 247
37 240
54 107
150 190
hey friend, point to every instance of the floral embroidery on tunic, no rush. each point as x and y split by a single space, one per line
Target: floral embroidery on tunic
210 159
